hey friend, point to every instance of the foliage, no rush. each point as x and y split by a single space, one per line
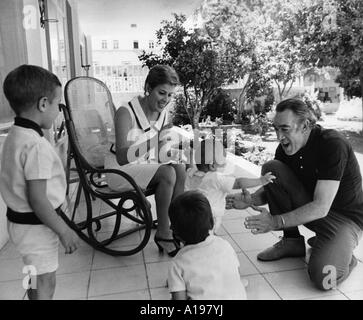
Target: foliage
351 85
232 26
333 31
269 100
179 114
259 42
281 42
262 41
220 106
201 69
259 124
248 146
313 103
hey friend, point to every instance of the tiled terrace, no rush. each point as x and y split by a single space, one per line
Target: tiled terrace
90 274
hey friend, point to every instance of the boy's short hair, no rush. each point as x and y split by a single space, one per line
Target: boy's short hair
209 151
191 217
26 84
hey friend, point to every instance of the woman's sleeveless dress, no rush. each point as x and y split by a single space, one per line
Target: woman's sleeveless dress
143 169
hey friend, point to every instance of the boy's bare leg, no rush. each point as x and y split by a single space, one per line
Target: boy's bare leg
45 287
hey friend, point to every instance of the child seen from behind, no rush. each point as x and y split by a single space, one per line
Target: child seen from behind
206 267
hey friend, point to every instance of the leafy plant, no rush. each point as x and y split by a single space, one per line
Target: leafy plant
220 106
313 103
200 67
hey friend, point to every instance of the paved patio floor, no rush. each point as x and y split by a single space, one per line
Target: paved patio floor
90 274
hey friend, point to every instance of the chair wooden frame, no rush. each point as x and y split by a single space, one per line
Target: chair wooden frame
93 186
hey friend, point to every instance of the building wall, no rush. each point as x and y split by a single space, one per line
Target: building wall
115 58
24 41
13 51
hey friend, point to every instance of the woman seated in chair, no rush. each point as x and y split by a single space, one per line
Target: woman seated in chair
137 128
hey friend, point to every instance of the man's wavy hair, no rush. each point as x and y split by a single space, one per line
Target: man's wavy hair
299 108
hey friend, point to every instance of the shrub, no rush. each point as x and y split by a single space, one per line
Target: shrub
221 106
313 103
179 115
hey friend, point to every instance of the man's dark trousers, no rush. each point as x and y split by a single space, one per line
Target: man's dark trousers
336 235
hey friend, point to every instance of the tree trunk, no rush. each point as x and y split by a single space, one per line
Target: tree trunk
196 115
288 90
242 99
195 123
278 91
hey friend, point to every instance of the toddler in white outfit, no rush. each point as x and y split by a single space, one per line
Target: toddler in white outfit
207 177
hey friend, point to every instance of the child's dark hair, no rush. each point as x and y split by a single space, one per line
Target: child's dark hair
25 85
191 217
209 151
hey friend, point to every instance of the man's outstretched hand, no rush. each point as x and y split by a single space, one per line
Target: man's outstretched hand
261 223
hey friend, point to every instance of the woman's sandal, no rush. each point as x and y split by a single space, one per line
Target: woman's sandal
157 240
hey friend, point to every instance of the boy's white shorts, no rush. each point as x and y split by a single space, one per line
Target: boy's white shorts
37 245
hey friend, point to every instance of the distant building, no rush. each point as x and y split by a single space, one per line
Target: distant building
115 59
44 33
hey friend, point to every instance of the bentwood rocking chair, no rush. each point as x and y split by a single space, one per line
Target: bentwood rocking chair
126 229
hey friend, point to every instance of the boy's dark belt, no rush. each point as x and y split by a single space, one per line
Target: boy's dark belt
25 217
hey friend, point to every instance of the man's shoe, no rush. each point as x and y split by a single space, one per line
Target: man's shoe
311 241
286 247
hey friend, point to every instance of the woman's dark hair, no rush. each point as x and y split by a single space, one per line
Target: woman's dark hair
25 85
191 217
161 74
299 108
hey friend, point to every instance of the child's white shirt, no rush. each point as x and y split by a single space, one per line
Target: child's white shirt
214 185
207 271
28 156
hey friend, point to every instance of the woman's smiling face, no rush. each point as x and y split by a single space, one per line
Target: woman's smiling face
160 96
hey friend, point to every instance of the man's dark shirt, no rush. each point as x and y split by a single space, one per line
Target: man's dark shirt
327 155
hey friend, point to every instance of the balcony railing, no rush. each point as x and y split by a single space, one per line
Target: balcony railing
124 84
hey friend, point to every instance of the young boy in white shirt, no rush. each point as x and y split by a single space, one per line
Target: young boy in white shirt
206 267
206 176
32 177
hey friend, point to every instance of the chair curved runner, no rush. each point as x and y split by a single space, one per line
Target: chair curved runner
89 113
